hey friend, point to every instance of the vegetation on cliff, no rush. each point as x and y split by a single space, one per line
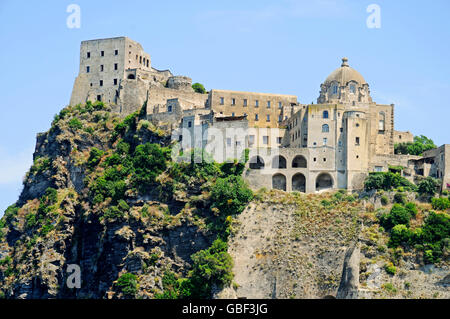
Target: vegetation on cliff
104 193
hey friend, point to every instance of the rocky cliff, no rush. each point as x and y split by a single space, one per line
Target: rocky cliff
104 197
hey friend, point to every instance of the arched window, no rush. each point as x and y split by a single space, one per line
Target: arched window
325 128
352 88
299 161
381 122
279 182
131 77
299 182
335 89
324 181
256 162
325 114
279 162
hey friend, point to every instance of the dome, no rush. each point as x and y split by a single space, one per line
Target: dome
345 74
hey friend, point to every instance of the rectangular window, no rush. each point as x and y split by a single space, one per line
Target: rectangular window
256 103
268 118
378 168
115 81
325 140
233 101
189 124
99 97
147 63
232 114
88 55
280 106
88 69
101 68
268 104
341 129
238 143
245 102
228 141
279 140
357 141
115 66
256 117
280 118
116 52
221 101
102 53
265 140
101 82
251 140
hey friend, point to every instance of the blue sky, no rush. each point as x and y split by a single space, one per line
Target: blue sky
285 47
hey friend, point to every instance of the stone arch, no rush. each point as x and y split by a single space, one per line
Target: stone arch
279 182
324 181
256 162
299 183
279 162
131 77
299 161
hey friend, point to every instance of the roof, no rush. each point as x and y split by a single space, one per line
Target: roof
345 74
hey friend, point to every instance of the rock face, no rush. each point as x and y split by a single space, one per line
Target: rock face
40 240
348 289
290 246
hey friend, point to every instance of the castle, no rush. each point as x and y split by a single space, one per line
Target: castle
293 147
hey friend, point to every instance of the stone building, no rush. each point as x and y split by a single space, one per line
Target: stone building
293 147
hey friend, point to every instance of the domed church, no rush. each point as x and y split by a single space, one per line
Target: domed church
344 85
338 141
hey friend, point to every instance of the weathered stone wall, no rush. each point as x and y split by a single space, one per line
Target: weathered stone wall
276 112
403 137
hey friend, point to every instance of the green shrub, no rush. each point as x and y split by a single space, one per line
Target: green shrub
123 206
326 203
411 208
46 229
400 198
113 212
149 160
230 195
212 266
94 157
421 143
441 203
400 234
98 199
171 286
127 284
384 200
40 164
50 196
390 268
387 181
428 186
199 88
75 124
9 214
397 216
